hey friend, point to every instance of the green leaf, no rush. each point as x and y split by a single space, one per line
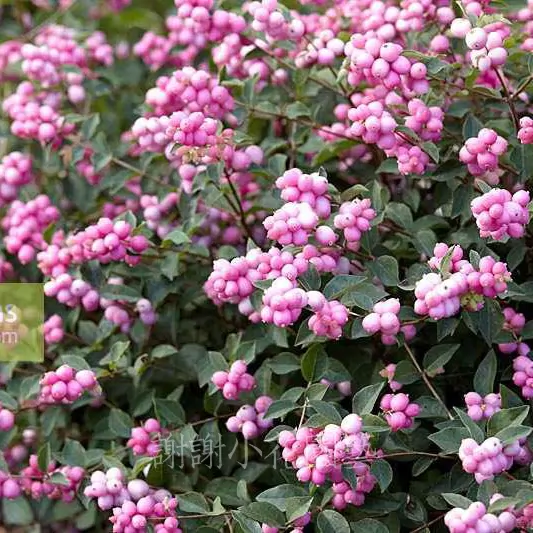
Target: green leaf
327 411
59 479
341 284
374 424
438 356
75 361
231 491
169 410
310 279
120 292
424 241
162 351
193 502
475 431
456 500
7 401
329 521
431 150
280 408
246 525
120 423
506 418
385 268
284 363
421 465
73 453
502 504
490 320
50 418
522 157
264 512
449 439
364 400
176 237
382 471
400 214
369 525
279 496
471 126
90 126
17 512
297 109
314 363
389 166
305 336
115 354
516 256
297 507
486 374
44 457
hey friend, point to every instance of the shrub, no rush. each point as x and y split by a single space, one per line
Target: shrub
286 260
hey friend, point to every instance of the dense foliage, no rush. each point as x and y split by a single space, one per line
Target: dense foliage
286 259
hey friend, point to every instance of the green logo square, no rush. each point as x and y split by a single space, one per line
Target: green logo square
21 322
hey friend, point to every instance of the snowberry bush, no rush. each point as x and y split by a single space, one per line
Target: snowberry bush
287 264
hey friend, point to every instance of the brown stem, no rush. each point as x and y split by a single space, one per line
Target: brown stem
240 212
268 115
435 520
210 419
137 170
508 99
427 382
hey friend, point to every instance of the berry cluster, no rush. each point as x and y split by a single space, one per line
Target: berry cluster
159 509
382 63
25 223
388 373
425 121
384 319
35 115
399 411
9 488
486 47
249 419
523 374
514 322
291 224
109 488
459 283
270 20
329 316
72 292
481 153
476 518
354 219
235 381
491 457
500 214
156 210
525 133
479 407
65 385
53 330
7 419
38 484
312 189
283 302
145 439
15 172
298 523
318 455
106 241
